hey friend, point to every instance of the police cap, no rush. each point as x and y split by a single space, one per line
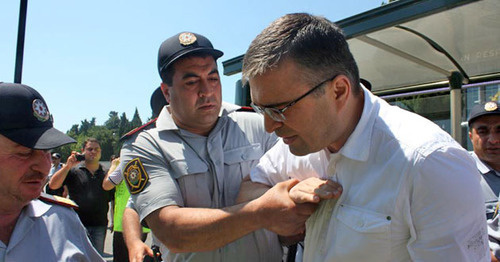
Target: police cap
26 120
182 44
488 108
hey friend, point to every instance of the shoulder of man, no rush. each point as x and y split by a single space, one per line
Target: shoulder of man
57 200
137 130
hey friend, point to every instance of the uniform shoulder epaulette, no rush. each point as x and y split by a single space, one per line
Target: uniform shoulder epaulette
138 129
61 201
245 109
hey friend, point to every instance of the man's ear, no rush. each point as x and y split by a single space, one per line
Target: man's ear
341 88
166 92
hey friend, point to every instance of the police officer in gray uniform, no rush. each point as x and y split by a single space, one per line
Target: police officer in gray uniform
484 133
184 175
33 228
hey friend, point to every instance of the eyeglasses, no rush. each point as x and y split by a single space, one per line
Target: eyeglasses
277 114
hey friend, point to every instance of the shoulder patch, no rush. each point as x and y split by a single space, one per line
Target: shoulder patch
137 130
62 201
135 175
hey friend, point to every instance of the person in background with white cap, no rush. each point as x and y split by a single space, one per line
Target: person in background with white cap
184 175
484 133
32 228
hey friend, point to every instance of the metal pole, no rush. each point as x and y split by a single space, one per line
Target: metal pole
456 105
20 41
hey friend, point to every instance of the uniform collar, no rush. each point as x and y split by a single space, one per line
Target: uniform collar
165 121
36 208
357 146
481 166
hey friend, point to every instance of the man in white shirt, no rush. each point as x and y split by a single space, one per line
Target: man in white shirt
410 192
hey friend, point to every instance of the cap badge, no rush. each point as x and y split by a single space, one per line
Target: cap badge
187 38
490 106
40 110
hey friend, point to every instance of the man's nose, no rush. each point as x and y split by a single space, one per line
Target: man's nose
271 125
41 161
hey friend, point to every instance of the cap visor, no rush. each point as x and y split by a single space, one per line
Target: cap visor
38 138
203 50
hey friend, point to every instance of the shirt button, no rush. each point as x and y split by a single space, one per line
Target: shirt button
244 156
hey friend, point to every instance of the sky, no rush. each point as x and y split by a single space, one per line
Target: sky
88 58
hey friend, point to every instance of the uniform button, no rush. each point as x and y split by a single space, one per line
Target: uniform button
244 156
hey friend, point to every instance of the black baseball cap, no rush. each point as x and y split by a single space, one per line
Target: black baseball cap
182 44
157 101
26 120
488 108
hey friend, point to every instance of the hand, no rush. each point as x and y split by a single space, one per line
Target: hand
115 162
71 162
138 250
280 214
314 189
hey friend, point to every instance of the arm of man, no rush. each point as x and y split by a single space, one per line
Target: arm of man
446 209
57 180
114 171
132 232
184 229
250 190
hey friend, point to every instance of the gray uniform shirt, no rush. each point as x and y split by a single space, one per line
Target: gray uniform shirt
46 232
189 170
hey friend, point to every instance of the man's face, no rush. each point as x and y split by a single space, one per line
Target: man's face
23 172
55 161
485 137
311 124
195 95
92 152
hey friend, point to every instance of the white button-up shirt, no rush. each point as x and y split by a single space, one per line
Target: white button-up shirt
410 192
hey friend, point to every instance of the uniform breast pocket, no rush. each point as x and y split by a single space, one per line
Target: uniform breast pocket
194 181
237 164
362 232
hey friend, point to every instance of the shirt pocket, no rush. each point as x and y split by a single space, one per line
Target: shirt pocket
362 232
194 181
237 164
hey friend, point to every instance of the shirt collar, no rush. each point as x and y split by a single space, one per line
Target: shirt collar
36 208
481 166
358 144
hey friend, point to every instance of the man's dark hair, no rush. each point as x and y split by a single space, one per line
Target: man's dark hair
314 43
90 140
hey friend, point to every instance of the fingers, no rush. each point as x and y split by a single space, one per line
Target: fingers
328 190
290 183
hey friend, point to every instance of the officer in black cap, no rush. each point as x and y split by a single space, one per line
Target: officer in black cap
484 133
188 169
31 229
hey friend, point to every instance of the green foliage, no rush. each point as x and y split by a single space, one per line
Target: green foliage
108 134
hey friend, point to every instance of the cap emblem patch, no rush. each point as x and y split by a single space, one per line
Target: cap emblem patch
490 106
187 38
135 176
40 110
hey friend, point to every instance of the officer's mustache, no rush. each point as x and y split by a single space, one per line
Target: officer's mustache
35 176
